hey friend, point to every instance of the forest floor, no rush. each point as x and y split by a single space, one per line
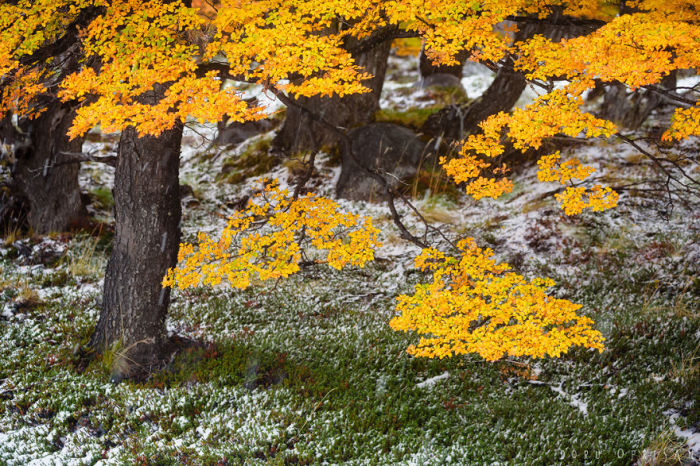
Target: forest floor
307 370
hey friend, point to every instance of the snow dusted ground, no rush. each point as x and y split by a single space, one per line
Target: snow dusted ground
307 371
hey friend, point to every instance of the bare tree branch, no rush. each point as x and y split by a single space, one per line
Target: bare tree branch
390 192
78 157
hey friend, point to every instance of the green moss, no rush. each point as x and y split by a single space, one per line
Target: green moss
57 278
446 95
229 364
412 118
102 198
256 160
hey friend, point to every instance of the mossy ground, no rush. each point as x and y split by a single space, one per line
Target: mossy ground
307 371
256 160
412 118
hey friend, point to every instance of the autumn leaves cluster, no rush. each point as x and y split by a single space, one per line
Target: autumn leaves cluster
271 237
476 305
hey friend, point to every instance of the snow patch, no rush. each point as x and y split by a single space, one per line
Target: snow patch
429 383
690 435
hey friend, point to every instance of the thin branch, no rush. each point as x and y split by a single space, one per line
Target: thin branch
78 157
658 161
670 95
345 140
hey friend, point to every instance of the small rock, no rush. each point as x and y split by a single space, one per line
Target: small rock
441 80
387 148
234 133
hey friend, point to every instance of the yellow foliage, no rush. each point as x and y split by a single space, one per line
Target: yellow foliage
685 123
475 305
296 46
269 238
599 198
17 96
551 114
407 47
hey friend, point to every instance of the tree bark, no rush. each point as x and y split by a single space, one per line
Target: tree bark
631 109
426 67
50 188
147 215
456 122
299 134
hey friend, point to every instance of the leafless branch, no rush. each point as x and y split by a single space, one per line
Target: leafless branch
390 192
659 163
78 157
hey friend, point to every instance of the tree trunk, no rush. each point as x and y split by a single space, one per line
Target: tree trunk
298 134
50 188
147 235
501 95
631 109
427 68
456 122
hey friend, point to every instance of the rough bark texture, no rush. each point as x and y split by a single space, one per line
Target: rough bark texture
14 207
147 235
631 109
455 122
299 134
50 188
427 68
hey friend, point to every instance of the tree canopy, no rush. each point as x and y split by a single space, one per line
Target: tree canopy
298 48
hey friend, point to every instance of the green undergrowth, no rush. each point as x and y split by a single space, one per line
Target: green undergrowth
412 118
256 160
308 371
102 199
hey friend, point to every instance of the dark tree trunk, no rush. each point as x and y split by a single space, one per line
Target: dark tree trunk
455 122
49 187
14 207
631 109
299 134
427 68
147 216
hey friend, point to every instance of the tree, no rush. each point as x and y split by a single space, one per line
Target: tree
292 50
298 134
147 216
150 77
42 172
35 122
